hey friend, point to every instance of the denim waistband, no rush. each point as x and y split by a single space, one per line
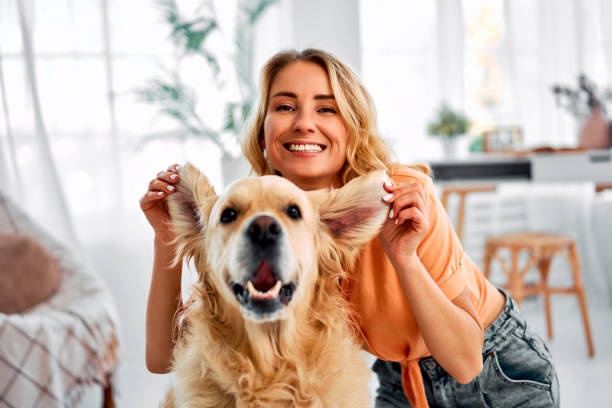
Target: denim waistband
509 320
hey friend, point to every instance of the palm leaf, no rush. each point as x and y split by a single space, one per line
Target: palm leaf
177 101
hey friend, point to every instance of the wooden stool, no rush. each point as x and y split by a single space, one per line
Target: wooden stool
462 190
542 248
599 187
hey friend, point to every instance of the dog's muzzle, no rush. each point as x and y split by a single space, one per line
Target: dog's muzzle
263 292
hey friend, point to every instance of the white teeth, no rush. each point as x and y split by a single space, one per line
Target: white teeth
270 294
307 148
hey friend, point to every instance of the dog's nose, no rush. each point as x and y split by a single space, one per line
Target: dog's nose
264 230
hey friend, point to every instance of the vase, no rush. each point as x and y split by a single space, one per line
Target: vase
449 146
595 133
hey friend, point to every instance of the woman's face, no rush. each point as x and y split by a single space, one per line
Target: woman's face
305 136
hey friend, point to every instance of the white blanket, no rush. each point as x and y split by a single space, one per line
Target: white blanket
57 353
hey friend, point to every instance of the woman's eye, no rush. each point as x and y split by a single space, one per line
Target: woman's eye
228 215
327 110
294 212
285 108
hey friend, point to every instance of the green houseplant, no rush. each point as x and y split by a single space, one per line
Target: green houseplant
448 126
178 100
448 123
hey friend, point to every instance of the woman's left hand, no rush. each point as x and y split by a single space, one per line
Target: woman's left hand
408 220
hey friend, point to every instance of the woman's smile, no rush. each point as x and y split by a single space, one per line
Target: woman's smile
304 148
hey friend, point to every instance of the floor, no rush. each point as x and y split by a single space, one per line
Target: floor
126 267
584 381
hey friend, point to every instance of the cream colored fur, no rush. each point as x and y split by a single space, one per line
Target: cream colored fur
309 355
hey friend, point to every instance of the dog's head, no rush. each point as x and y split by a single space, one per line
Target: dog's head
259 244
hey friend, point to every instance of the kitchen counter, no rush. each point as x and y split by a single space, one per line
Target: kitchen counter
591 165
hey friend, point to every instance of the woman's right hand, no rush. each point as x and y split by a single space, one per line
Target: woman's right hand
153 202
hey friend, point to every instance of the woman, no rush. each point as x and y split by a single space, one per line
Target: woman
443 334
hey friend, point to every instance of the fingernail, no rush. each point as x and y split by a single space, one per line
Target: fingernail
396 221
387 197
172 177
160 193
391 213
170 188
388 184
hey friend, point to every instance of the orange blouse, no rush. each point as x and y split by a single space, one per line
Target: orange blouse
380 307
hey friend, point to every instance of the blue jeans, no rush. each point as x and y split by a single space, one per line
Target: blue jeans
517 371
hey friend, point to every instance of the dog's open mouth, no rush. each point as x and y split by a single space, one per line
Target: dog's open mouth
263 293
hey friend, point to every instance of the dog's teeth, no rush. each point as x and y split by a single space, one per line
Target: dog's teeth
251 288
276 289
269 294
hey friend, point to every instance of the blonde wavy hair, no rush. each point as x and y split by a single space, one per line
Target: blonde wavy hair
366 150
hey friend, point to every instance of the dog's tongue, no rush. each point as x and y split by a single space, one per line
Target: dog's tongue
264 278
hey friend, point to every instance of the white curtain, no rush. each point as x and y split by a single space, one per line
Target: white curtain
31 181
71 124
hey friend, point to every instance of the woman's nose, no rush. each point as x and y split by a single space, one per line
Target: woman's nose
304 122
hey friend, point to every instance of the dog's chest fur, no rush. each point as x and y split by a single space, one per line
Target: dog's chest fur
269 365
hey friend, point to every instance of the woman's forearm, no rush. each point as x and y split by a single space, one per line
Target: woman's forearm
163 302
452 335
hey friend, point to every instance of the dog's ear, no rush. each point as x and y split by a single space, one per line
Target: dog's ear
189 207
355 213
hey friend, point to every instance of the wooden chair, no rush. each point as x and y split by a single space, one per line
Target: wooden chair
541 247
462 190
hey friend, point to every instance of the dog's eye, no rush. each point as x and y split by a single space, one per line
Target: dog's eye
294 212
228 215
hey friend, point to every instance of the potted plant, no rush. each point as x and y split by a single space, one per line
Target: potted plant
448 126
179 102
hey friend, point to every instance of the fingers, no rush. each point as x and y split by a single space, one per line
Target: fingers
165 178
170 175
414 215
150 199
160 186
389 186
396 190
405 196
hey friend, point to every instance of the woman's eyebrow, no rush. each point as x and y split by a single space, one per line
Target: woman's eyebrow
292 95
288 94
325 97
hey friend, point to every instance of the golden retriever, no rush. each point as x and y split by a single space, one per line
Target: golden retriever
267 325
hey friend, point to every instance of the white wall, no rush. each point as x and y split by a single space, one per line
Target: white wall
330 25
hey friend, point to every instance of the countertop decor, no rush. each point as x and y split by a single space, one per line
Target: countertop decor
448 125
